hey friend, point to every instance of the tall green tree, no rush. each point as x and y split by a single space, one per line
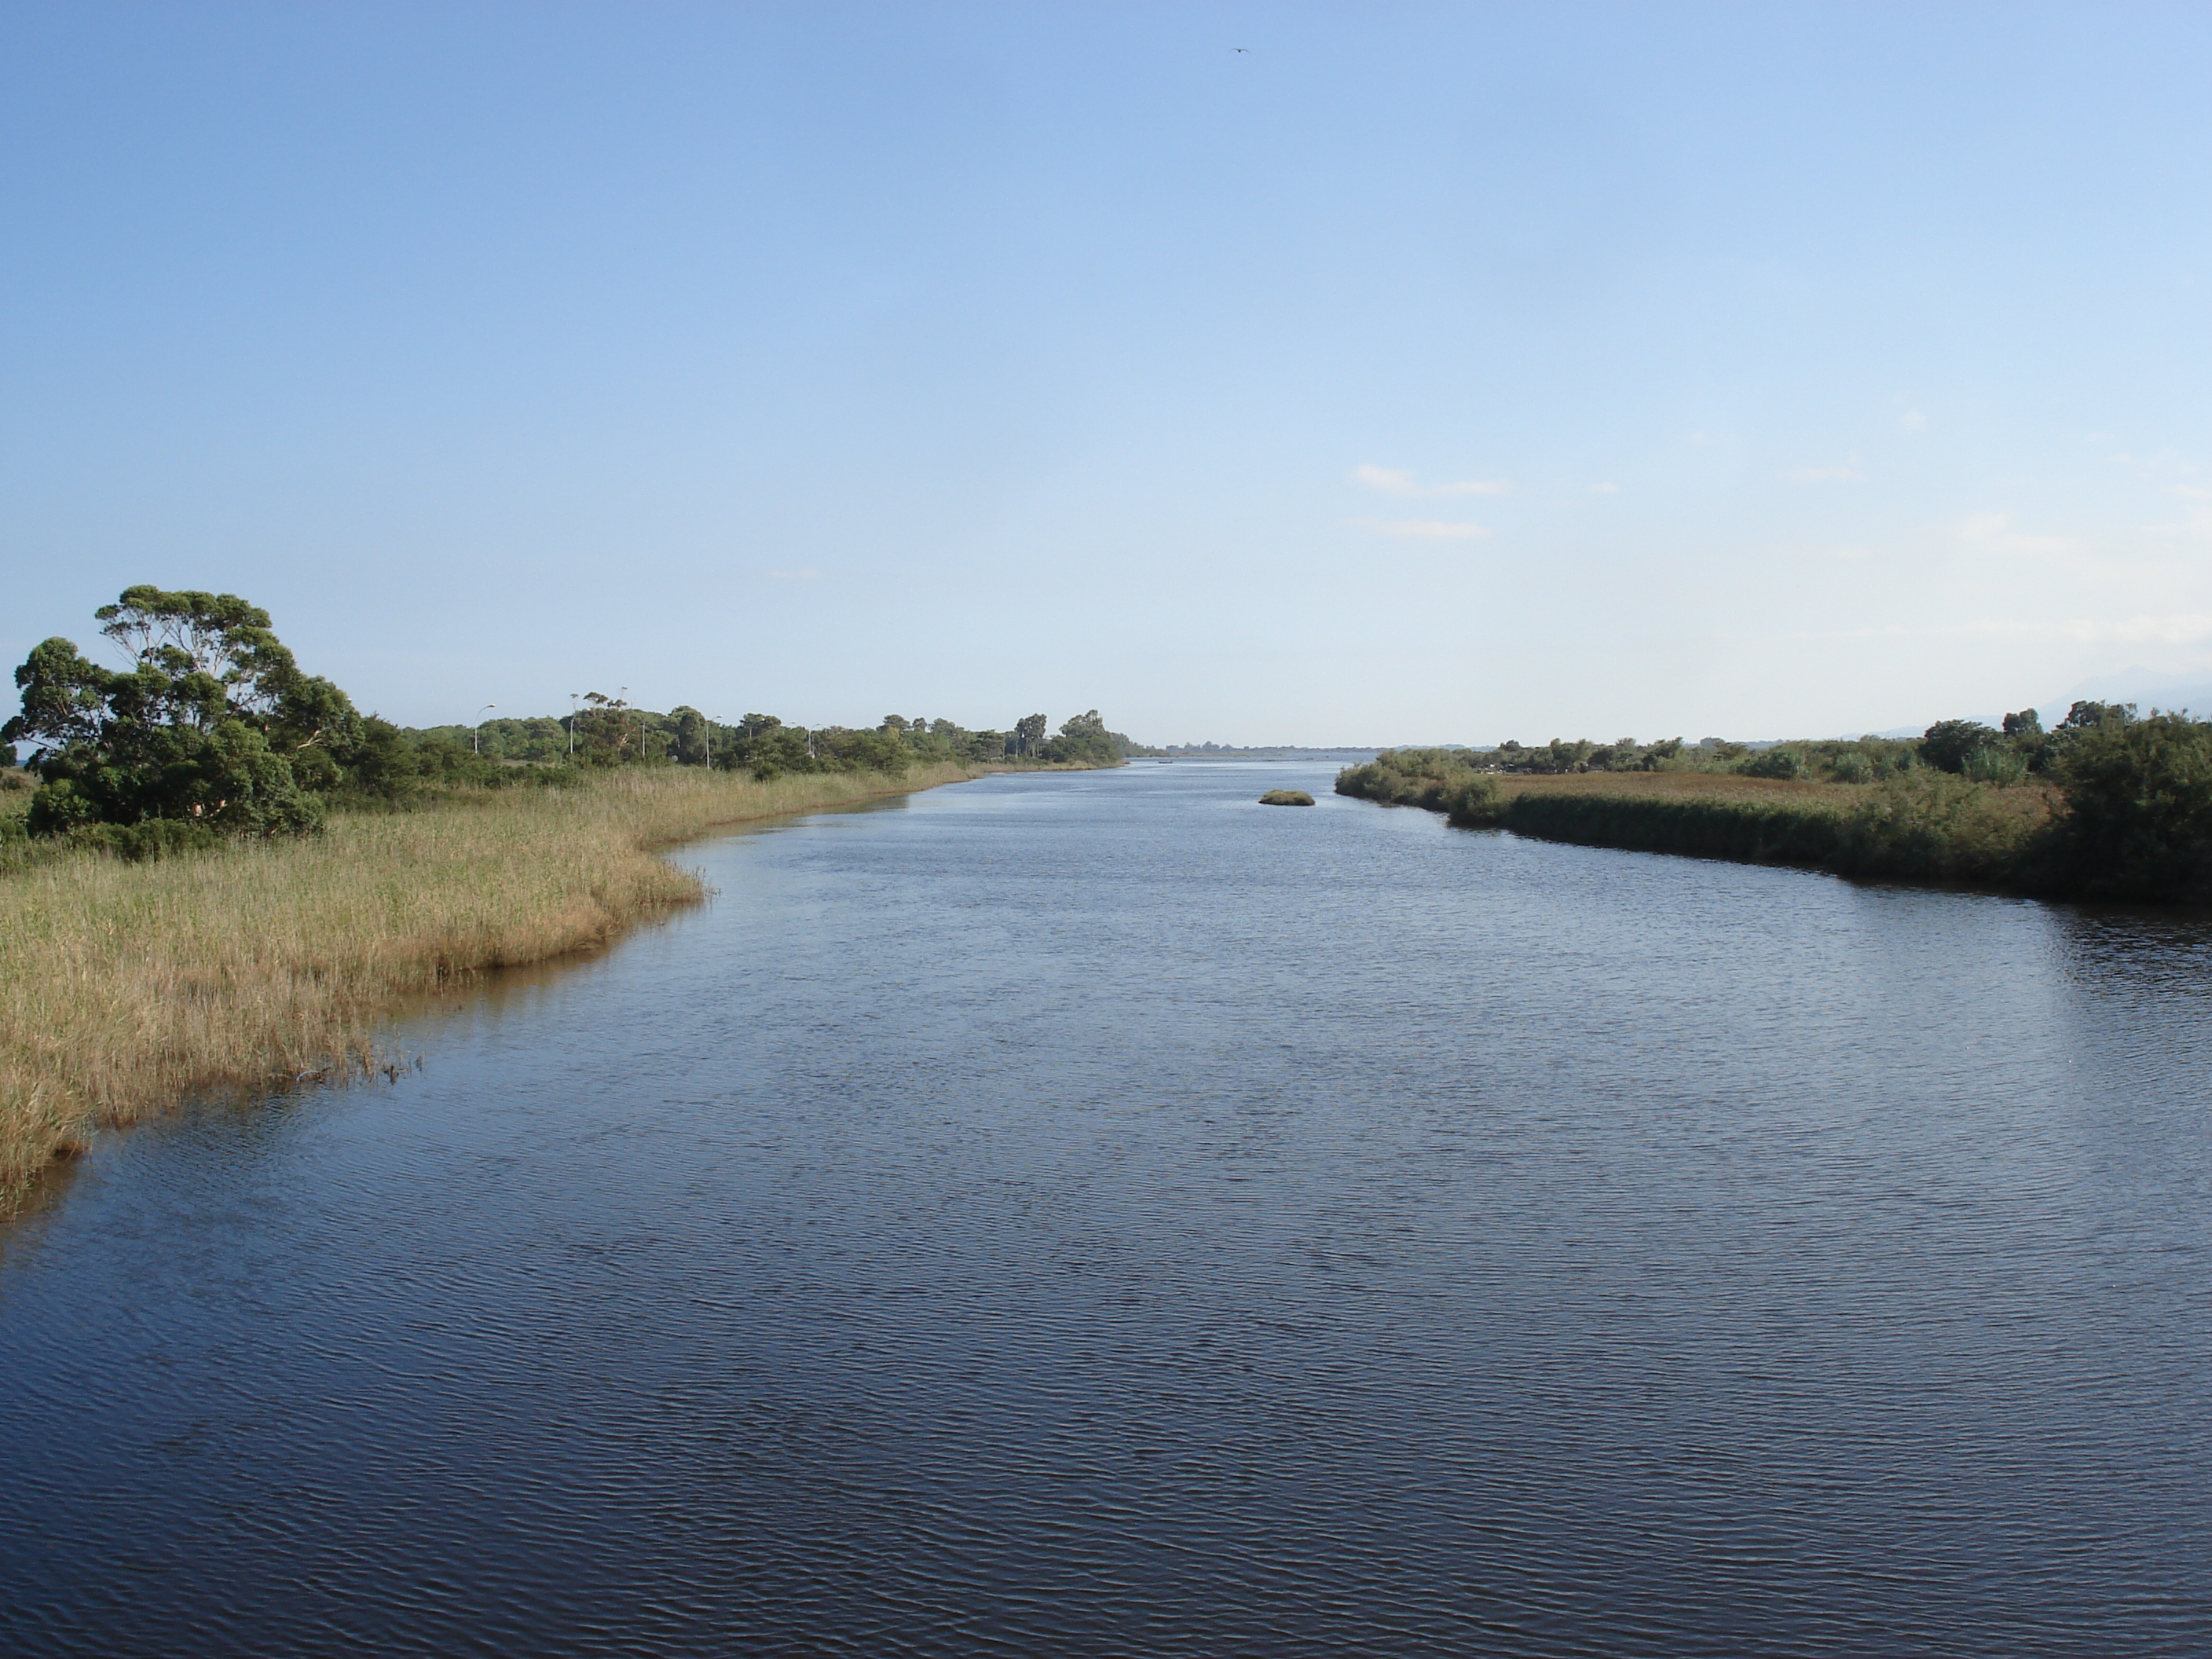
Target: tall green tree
212 723
1949 745
688 742
1084 739
609 731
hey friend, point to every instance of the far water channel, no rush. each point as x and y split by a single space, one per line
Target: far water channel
1094 1214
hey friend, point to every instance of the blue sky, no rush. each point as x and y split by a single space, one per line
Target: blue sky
1421 373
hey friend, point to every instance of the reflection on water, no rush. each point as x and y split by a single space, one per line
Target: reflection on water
1094 1214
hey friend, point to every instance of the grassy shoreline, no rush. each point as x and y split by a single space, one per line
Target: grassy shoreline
1927 825
1930 828
126 988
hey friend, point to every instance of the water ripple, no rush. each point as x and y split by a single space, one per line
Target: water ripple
1091 1215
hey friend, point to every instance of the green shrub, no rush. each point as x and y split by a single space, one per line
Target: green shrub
1851 766
1442 779
1926 823
1469 803
1776 762
1946 745
2004 767
151 839
2138 820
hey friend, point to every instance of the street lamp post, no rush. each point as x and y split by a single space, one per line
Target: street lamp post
475 746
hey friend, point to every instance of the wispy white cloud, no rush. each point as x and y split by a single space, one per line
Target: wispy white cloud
1393 482
1846 472
1605 489
1423 530
794 576
1386 480
2197 524
2161 465
2177 629
1993 533
2144 630
1913 420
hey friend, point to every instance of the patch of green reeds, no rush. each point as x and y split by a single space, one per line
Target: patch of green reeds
1436 778
1926 826
1921 825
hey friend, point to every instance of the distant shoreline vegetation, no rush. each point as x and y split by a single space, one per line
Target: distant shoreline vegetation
213 733
608 732
2109 804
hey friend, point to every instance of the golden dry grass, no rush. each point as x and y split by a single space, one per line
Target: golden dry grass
124 987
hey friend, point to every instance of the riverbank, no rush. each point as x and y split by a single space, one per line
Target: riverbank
1923 825
124 987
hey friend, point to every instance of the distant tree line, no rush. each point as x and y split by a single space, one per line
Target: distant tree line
608 732
2018 752
213 731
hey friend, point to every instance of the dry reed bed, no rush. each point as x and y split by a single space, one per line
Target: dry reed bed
126 987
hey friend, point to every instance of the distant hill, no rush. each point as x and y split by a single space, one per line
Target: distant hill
2145 689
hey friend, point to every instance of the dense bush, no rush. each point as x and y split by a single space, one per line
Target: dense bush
1442 779
1926 823
1998 764
2138 820
1948 746
1083 740
1775 763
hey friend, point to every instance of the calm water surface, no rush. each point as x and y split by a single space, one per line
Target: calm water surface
1094 1214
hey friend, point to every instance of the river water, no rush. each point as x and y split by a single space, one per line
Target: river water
1091 1214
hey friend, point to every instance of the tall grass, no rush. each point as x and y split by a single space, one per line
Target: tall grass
1927 825
126 986
1920 823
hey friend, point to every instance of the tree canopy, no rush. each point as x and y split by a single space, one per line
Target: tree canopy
213 722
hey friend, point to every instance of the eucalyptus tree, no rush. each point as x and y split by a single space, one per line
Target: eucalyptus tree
213 721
